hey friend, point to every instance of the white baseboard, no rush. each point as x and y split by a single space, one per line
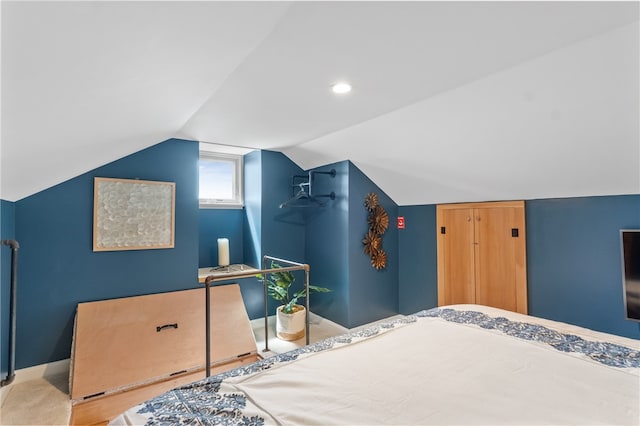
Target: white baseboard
36 372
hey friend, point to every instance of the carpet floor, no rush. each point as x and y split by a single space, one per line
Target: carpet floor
37 402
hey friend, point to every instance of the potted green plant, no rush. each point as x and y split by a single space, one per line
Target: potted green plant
290 316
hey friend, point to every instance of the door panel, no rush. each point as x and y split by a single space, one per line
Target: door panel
479 261
495 265
457 257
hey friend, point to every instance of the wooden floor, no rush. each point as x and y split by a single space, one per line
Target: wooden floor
102 409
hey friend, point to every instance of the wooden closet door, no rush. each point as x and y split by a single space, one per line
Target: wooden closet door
455 259
495 257
479 259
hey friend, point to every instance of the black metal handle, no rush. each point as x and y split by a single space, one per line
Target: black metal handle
162 327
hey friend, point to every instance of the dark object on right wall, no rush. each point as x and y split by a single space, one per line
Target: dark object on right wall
378 220
630 241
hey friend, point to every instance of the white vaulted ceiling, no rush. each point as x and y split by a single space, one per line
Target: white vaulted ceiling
451 101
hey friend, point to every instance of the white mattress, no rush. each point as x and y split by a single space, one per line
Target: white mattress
465 364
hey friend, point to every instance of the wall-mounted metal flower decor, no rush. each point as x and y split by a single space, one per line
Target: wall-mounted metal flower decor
378 220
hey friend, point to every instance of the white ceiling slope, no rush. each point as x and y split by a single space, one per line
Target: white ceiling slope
85 83
564 124
452 101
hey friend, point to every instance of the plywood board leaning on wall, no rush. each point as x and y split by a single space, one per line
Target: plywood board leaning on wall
130 349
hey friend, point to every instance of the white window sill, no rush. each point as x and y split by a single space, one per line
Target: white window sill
222 206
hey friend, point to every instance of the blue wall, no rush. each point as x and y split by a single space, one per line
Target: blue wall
373 294
574 265
334 250
313 235
229 223
269 230
7 232
220 223
418 283
574 272
283 230
58 268
328 238
573 260
326 246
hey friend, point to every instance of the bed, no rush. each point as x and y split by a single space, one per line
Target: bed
454 365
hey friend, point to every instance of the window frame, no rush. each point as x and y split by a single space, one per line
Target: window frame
237 202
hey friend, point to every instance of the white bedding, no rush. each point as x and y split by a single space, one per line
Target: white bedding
466 364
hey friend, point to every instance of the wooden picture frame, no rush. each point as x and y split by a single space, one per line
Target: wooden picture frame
133 214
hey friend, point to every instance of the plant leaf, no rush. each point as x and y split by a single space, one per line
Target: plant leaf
282 283
288 308
316 289
277 293
278 284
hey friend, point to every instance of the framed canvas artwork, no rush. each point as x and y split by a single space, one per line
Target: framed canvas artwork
133 214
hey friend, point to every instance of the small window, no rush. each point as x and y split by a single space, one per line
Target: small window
220 180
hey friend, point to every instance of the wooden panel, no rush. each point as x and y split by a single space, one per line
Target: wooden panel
101 410
497 268
455 256
117 343
231 332
500 258
495 258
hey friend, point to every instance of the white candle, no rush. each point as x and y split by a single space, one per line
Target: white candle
223 252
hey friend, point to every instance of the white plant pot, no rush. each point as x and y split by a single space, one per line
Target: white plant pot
290 326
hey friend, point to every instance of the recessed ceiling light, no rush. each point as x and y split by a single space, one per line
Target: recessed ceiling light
341 88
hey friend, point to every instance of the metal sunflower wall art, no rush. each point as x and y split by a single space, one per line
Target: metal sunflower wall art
372 243
371 201
378 220
379 259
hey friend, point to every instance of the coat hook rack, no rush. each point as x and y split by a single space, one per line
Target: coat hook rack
304 196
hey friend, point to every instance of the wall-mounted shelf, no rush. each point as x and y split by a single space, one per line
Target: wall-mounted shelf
222 271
